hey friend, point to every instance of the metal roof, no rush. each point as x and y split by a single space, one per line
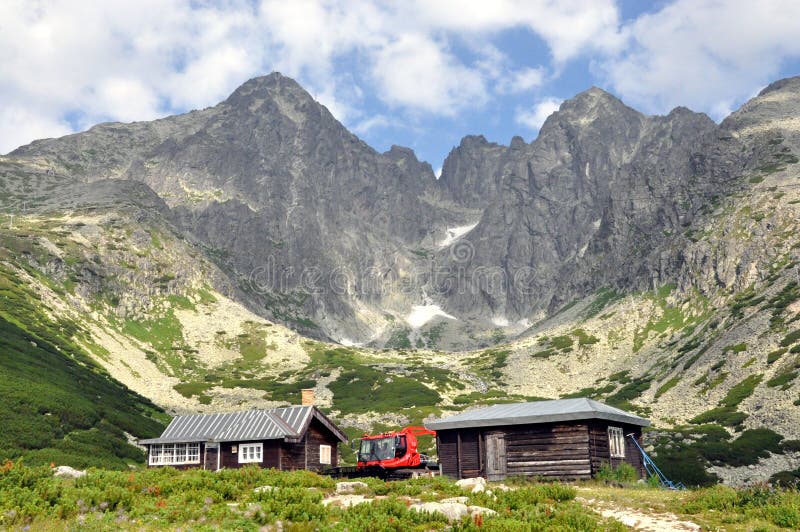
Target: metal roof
278 423
537 412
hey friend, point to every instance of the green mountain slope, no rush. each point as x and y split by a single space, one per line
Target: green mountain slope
56 403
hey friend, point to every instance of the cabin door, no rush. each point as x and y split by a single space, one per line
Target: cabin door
495 456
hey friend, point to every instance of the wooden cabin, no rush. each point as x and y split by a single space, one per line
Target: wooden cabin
562 439
289 438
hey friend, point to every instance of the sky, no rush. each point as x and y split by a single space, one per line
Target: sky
417 73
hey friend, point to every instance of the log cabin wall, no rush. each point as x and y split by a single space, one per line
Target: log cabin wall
270 456
305 454
600 448
469 456
557 451
564 451
447 448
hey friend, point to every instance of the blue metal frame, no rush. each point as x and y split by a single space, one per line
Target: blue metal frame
653 470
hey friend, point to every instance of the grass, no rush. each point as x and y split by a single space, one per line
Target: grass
668 317
603 298
667 386
584 338
58 405
489 364
726 414
774 356
163 498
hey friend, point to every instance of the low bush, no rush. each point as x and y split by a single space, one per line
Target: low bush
624 473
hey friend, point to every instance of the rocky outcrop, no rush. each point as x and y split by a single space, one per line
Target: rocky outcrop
597 200
320 231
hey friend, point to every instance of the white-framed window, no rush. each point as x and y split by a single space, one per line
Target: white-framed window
325 454
616 442
250 452
174 453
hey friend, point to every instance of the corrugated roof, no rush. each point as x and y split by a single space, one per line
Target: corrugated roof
296 417
288 422
537 412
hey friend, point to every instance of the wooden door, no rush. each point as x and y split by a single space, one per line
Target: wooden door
495 456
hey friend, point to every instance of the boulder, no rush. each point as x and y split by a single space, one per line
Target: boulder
350 487
480 510
454 511
345 501
470 484
67 472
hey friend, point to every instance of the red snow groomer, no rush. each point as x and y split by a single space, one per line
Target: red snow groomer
391 455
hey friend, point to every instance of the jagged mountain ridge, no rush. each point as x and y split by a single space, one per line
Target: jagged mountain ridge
281 195
272 181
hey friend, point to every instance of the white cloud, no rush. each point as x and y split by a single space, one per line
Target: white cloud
704 54
567 26
20 123
126 99
522 80
534 118
125 60
415 71
373 122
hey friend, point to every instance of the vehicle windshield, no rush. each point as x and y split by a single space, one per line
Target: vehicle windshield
377 449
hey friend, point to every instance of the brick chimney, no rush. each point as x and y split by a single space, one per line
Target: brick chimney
307 395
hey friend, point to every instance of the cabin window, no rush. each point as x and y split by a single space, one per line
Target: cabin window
325 454
174 453
250 452
616 442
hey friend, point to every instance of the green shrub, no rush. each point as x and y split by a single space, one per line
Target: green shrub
561 342
773 356
782 379
735 348
664 388
623 473
790 338
790 446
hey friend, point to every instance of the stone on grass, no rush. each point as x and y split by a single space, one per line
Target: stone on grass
454 511
350 487
65 471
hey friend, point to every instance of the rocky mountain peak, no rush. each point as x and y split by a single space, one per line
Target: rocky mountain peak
785 84
777 107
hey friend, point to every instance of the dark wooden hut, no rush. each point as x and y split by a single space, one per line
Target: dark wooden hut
561 439
294 437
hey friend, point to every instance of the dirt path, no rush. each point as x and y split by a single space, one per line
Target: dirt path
637 519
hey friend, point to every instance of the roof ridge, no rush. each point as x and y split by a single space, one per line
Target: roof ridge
280 421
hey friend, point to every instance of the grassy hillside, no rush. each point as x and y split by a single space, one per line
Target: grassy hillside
715 369
56 403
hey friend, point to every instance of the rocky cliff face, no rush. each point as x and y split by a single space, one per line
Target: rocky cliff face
303 214
599 199
320 231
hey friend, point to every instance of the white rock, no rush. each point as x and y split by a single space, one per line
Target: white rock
480 510
345 501
452 510
462 499
477 488
350 487
263 488
65 471
470 483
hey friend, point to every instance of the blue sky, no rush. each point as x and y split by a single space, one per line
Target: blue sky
417 73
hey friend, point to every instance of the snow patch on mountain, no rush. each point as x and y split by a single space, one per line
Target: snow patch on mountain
422 314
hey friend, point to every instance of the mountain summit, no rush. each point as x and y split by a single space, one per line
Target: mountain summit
270 181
